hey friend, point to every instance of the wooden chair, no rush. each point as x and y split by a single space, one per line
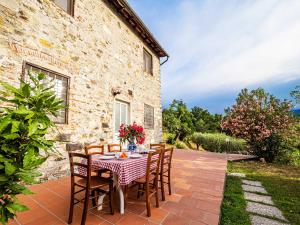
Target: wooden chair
165 171
114 148
94 149
149 183
90 184
97 150
154 146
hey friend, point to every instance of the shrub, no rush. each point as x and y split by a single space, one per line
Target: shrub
170 139
24 122
180 145
219 143
261 119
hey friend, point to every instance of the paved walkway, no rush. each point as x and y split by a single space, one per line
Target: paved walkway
259 204
197 181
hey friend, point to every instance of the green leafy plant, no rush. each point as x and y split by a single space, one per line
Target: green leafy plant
261 119
25 118
178 120
180 145
219 143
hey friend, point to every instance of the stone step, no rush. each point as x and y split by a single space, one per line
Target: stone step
264 210
258 198
252 183
251 188
258 220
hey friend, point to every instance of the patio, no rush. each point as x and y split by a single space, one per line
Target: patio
198 181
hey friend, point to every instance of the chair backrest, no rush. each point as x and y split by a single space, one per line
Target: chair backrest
80 162
153 162
94 149
154 146
114 147
166 159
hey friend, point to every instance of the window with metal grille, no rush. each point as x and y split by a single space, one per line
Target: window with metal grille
66 5
61 87
148 117
148 68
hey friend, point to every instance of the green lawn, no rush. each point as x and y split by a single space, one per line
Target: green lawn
282 183
233 207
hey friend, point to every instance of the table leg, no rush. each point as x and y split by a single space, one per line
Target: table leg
100 202
121 195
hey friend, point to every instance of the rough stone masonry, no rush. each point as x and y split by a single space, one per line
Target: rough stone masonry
96 50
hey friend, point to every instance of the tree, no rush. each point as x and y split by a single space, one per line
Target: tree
205 121
296 94
177 119
260 119
24 123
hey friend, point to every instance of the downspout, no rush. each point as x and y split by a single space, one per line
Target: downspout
165 60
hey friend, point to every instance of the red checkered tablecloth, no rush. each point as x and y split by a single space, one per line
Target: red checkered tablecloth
127 170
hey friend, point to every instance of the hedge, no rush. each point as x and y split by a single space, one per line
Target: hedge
219 142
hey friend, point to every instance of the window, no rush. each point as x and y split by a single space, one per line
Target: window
148 62
67 5
121 116
61 87
148 117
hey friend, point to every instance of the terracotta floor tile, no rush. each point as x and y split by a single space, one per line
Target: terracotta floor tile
173 197
132 219
28 216
157 215
45 220
173 219
173 207
201 216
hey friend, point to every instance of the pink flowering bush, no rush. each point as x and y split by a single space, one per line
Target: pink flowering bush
131 132
260 119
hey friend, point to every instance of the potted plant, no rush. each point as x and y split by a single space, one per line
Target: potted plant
132 134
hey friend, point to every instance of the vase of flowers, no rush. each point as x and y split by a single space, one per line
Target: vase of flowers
133 134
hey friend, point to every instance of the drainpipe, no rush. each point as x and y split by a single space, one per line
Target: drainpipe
165 60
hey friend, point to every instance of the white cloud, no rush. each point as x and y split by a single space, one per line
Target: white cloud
229 45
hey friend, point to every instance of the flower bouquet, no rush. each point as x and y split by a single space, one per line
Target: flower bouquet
132 133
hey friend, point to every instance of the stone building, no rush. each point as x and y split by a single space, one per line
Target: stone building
105 62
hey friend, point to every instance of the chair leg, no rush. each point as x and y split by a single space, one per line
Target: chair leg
71 205
156 193
148 202
169 181
138 192
85 208
111 190
93 199
162 187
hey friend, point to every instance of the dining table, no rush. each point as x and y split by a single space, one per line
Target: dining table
125 170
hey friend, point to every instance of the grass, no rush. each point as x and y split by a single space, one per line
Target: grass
281 181
233 207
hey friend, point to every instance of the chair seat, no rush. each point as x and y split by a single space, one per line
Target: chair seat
142 180
96 182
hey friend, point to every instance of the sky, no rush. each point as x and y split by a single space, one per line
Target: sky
218 47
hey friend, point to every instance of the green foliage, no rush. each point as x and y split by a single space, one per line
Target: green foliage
170 139
233 209
261 119
204 121
219 143
296 94
24 122
177 119
180 145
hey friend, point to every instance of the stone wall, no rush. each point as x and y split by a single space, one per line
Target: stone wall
96 49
